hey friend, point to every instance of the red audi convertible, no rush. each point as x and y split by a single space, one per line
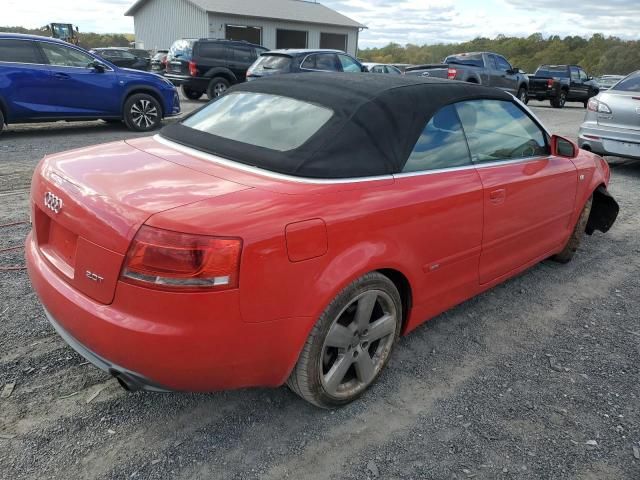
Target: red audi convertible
292 229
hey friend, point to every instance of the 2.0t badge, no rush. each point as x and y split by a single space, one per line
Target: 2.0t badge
53 202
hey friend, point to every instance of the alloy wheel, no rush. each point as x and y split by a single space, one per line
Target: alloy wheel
219 89
358 343
144 113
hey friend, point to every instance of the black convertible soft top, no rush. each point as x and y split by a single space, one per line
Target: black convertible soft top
376 123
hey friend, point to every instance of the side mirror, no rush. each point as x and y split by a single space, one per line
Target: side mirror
97 66
561 147
364 69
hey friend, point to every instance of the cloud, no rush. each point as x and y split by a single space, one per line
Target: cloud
443 21
401 21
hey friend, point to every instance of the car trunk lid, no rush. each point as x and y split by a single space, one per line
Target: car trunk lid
625 110
89 203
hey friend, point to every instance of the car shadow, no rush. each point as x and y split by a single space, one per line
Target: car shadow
58 129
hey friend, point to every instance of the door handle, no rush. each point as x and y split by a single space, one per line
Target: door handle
61 76
498 196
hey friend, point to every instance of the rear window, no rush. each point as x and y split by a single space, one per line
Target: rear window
275 63
629 84
262 120
182 49
551 71
471 60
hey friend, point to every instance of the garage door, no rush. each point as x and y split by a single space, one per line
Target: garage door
291 39
244 32
334 41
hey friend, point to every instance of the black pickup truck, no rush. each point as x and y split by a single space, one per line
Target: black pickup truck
562 83
485 68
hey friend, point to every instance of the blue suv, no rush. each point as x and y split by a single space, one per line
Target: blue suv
43 79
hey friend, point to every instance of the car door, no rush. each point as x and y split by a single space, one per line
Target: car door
129 60
24 80
576 88
321 62
586 84
444 204
242 58
493 74
529 194
507 80
77 89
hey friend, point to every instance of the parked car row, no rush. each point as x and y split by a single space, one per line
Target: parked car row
44 79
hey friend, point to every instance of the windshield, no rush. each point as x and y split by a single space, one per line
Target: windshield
472 60
552 71
182 49
629 84
263 120
272 63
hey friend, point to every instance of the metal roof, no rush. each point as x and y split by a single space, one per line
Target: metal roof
290 10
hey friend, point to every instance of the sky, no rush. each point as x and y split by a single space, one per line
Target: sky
401 21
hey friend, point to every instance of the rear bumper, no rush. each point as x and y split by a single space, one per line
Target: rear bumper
194 83
132 380
166 341
608 140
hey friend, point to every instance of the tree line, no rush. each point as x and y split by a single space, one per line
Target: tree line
598 55
87 39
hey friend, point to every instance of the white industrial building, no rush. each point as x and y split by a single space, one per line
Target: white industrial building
271 23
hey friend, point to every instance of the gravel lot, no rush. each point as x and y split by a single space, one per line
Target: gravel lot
538 378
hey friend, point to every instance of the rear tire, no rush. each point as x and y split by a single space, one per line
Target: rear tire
560 100
350 344
573 243
217 87
190 93
586 103
142 113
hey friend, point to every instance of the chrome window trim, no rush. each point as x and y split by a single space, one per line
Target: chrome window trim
261 171
475 165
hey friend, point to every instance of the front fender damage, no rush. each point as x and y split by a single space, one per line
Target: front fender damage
603 212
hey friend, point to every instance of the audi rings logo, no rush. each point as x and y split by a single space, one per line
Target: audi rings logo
52 202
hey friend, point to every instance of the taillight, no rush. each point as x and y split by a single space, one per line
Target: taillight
193 69
451 73
550 82
169 260
597 106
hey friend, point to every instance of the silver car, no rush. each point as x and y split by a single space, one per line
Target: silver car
382 68
612 123
605 82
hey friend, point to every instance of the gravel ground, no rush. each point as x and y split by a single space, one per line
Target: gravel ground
535 379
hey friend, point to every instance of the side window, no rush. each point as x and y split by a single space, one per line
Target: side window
321 61
128 55
378 69
211 50
441 144
394 70
583 75
502 63
493 63
19 51
498 130
349 64
62 56
575 75
243 54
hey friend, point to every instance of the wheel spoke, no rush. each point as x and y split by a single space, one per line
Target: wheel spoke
381 328
339 336
365 310
136 109
364 367
336 374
